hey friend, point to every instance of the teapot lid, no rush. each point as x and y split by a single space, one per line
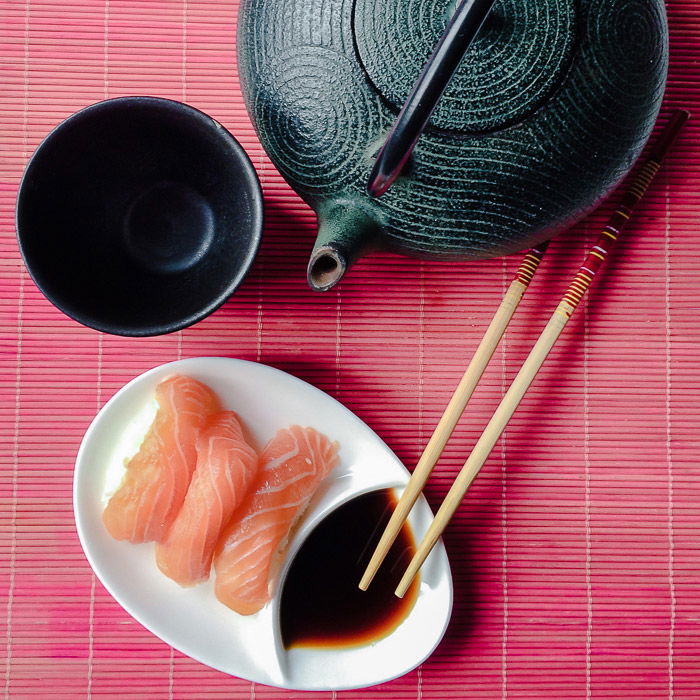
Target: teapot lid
520 57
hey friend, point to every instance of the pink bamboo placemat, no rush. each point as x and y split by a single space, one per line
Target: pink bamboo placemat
575 555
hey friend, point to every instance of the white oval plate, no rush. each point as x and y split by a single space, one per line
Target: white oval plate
191 619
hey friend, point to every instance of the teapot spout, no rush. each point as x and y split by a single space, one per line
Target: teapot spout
346 229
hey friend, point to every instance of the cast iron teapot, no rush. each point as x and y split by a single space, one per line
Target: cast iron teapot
547 111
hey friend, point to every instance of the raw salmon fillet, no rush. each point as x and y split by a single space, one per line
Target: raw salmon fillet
293 464
226 468
157 476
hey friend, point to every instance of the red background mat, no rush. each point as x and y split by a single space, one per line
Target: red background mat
575 554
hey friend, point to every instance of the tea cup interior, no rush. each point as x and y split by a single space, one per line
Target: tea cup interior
139 216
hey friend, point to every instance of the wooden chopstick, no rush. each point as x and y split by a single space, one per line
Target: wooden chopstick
455 408
549 336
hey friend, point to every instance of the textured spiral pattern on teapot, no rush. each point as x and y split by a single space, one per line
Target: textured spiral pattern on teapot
512 67
536 128
324 139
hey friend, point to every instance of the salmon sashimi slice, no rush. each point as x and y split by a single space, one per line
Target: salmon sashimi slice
226 468
293 464
157 476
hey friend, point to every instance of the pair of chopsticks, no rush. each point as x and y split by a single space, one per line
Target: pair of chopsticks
524 378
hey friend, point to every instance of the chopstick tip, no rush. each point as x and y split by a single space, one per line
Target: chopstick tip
679 117
669 134
404 584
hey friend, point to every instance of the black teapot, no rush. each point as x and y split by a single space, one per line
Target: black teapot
549 108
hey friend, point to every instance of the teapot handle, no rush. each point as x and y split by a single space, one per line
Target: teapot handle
428 89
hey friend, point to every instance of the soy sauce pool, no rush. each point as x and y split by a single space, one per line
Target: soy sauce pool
321 603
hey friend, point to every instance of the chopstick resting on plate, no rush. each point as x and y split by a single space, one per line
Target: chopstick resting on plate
455 408
573 295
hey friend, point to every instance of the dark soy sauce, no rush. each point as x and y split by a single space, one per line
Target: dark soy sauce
321 604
